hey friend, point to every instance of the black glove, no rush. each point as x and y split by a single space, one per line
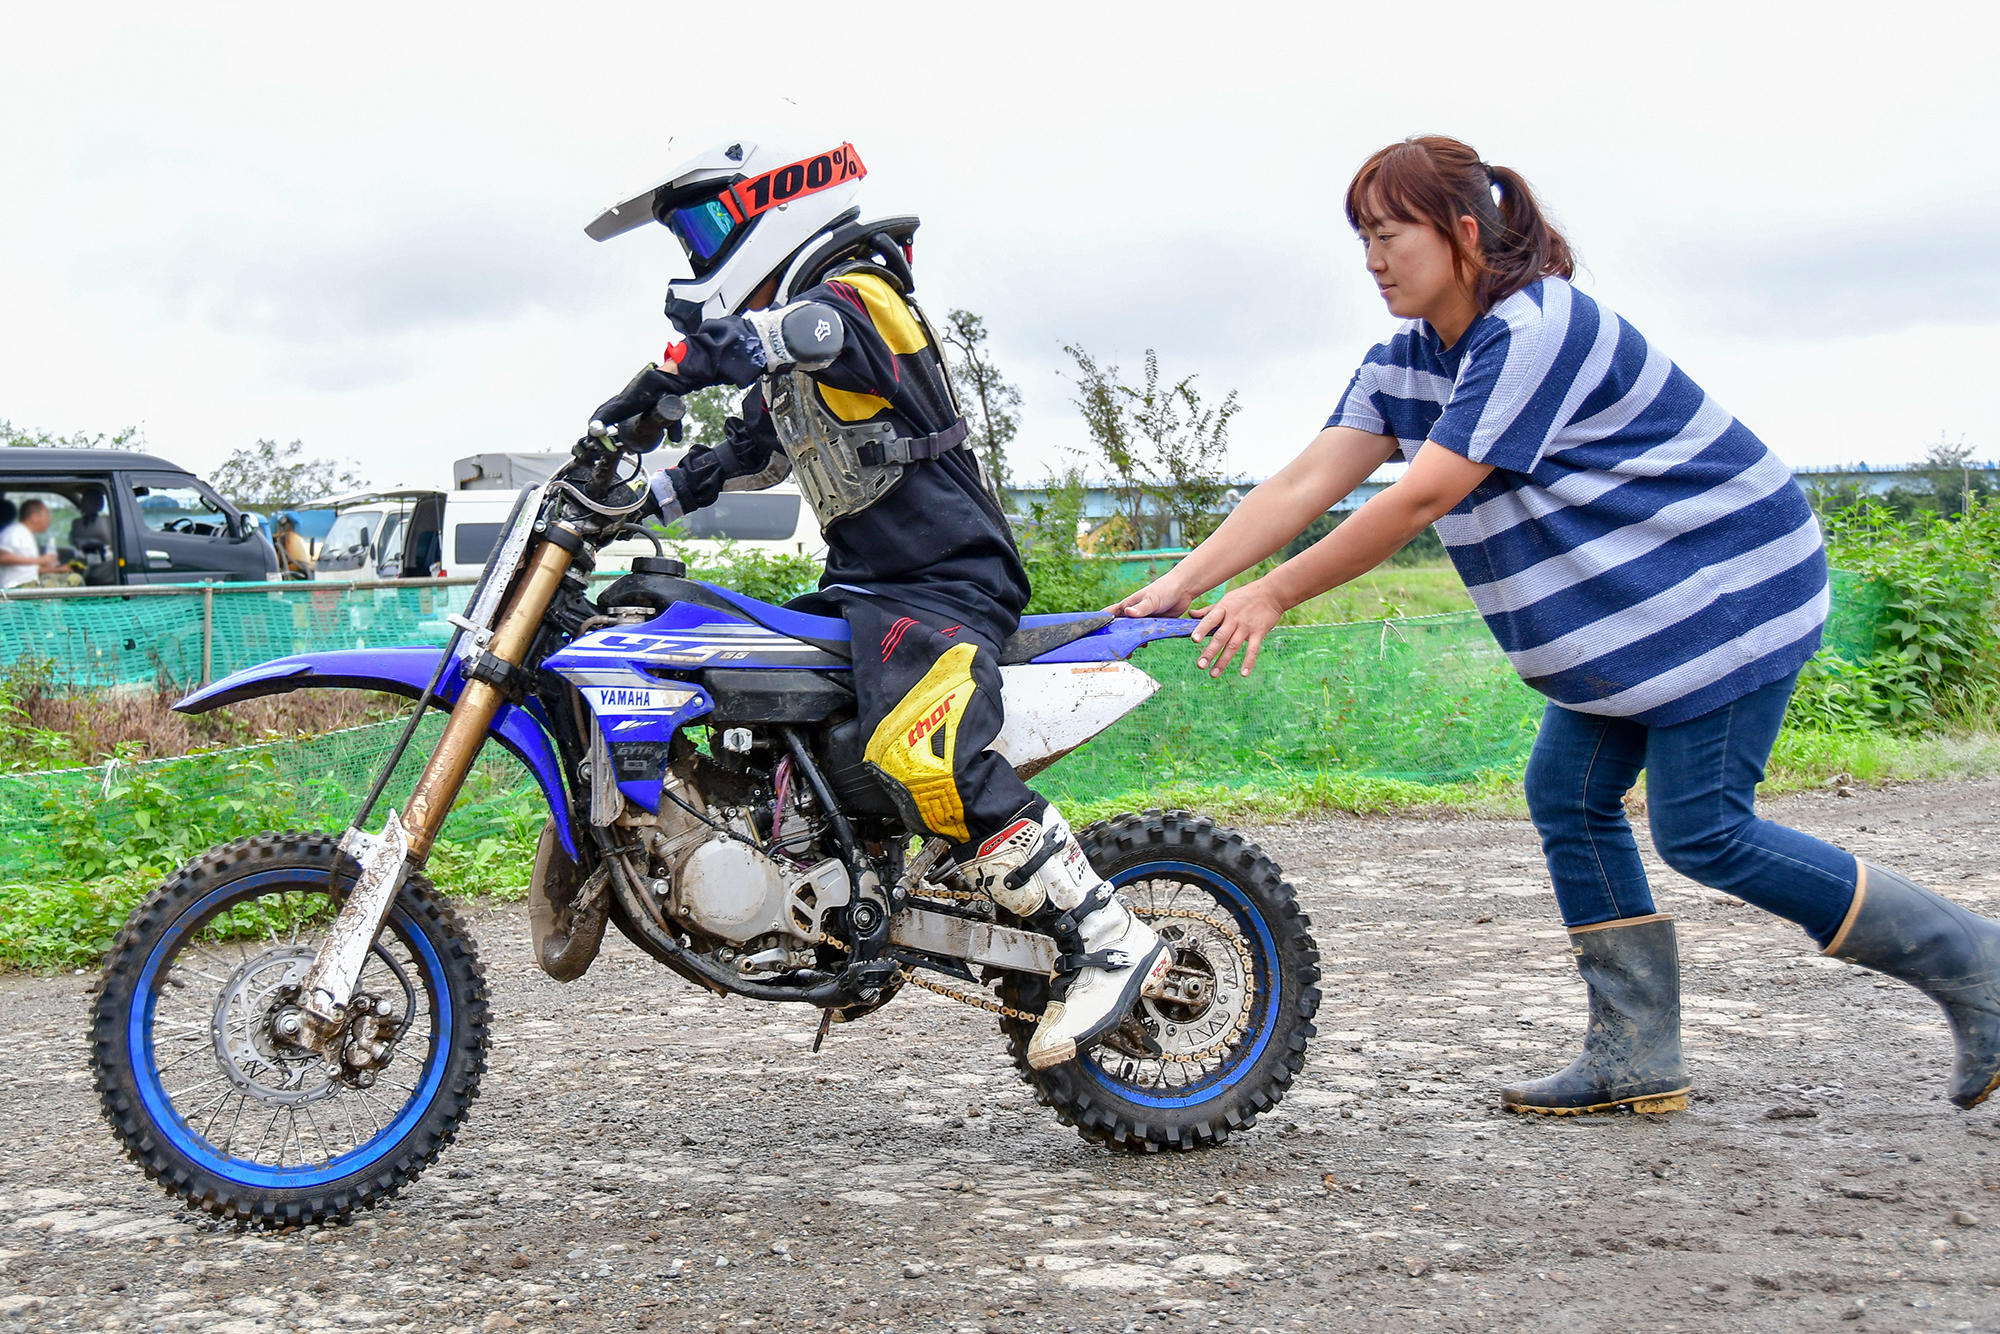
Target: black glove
634 410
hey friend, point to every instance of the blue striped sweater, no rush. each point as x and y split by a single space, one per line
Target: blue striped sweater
1636 550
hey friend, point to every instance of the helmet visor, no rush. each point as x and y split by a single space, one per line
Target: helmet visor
703 228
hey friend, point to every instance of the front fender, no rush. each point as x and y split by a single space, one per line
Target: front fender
399 671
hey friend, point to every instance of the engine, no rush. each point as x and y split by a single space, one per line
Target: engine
717 874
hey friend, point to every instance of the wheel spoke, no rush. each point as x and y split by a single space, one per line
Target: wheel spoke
326 1150
195 1088
184 1056
258 1154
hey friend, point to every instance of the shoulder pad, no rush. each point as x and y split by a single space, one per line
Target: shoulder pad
804 336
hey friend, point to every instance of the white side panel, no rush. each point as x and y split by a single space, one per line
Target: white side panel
1052 708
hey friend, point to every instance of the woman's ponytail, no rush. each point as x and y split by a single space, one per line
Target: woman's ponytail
1523 248
1437 180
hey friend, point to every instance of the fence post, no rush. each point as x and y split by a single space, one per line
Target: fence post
207 630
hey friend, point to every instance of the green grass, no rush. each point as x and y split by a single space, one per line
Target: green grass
1804 760
1410 590
1800 762
63 922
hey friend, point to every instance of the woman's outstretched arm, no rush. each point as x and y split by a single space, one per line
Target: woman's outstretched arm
1338 460
1437 481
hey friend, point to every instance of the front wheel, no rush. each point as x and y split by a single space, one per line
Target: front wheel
1184 1071
194 1072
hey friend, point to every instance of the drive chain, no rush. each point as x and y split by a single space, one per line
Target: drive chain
1009 1012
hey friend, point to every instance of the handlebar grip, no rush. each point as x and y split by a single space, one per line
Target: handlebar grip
642 431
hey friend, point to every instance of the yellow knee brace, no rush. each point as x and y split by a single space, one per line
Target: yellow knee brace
917 743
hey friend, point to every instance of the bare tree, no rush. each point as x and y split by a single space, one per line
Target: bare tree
131 438
1164 444
982 388
268 475
1950 468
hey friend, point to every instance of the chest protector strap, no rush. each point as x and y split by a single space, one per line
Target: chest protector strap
844 467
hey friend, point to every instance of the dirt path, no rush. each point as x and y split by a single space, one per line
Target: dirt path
645 1156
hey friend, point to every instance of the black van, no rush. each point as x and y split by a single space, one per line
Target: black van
134 519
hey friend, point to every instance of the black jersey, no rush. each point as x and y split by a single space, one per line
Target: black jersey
938 541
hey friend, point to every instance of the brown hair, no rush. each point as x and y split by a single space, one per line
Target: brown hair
1434 180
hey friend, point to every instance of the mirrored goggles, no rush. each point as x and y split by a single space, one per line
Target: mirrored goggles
703 228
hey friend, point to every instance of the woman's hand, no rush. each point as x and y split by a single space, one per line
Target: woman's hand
1165 596
1239 619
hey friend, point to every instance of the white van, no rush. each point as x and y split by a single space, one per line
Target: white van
411 533
775 522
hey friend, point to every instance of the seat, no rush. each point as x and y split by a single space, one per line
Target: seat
1037 634
1044 634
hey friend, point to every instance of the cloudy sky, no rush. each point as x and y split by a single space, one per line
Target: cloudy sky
362 226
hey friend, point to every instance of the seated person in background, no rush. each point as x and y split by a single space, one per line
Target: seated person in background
21 558
295 559
90 530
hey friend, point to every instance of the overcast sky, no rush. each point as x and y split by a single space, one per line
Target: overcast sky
362 226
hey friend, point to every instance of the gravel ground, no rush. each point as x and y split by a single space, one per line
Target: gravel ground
647 1157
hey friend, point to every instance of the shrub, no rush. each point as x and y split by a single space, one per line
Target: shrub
1935 656
1060 576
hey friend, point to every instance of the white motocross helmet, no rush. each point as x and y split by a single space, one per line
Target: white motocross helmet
739 213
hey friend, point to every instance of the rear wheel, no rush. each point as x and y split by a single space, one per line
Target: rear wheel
200 1084
1184 1071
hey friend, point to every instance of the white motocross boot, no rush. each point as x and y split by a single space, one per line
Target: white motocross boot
1037 871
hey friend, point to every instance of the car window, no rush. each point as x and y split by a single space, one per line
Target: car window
350 532
179 509
389 561
746 516
473 542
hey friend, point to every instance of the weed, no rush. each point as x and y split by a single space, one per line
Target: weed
1935 657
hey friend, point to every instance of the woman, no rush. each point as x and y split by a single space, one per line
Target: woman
1645 562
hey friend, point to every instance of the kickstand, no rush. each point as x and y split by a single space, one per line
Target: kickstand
825 1022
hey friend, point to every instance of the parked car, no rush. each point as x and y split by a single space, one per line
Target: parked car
125 518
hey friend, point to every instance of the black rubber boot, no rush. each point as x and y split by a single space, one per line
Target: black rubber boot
1949 954
1632 1048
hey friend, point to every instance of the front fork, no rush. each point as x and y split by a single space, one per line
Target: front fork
328 987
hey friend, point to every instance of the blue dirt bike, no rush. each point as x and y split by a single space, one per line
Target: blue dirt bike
294 1025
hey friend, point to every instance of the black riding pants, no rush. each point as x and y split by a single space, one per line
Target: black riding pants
929 695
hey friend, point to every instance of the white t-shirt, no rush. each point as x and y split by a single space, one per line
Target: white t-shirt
17 539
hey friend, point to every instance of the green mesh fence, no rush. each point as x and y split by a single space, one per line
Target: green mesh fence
205 798
1851 620
1426 699
98 640
1430 699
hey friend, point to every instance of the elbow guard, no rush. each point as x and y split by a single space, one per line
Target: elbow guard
804 336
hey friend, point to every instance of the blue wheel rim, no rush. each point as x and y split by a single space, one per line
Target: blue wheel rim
159 1108
1230 896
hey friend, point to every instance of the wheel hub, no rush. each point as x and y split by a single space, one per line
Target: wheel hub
1203 1005
256 1008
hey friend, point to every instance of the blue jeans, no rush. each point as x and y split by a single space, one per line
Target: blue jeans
1701 783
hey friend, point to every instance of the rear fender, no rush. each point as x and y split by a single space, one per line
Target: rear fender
400 671
1054 707
1119 640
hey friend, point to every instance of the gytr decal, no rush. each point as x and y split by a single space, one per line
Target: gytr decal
931 720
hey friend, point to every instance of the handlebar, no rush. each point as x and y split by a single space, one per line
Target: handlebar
644 429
